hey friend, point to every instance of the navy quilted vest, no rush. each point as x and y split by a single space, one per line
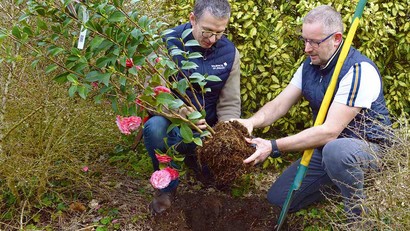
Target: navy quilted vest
367 123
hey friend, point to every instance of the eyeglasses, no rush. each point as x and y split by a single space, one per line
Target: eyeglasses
209 34
315 44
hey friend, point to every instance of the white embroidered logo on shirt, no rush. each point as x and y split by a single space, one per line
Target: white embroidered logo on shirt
219 66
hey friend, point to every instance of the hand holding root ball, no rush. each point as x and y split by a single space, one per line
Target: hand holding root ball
263 150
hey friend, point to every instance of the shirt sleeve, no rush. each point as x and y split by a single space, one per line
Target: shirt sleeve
360 87
297 78
229 102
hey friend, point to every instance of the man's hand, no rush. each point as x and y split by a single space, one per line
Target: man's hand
246 123
263 150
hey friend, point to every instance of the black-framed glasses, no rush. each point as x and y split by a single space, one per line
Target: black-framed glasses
313 43
209 34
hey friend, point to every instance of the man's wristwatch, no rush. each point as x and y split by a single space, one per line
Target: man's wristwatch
275 151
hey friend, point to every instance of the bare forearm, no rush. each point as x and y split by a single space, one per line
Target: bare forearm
267 115
307 139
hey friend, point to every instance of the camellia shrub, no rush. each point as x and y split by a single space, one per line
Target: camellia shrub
104 51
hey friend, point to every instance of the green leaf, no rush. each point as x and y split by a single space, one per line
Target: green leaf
194 55
213 78
72 90
182 86
205 133
198 141
62 78
194 115
177 103
72 78
186 33
136 33
191 43
51 68
55 51
103 61
92 76
117 16
186 133
175 52
171 126
105 78
96 42
16 32
82 91
118 3
122 80
143 21
187 65
164 99
196 77
167 31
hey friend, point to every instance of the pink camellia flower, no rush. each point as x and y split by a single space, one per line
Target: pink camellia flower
163 158
128 124
174 173
159 89
129 63
85 169
160 179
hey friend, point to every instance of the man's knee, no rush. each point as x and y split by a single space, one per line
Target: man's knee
155 128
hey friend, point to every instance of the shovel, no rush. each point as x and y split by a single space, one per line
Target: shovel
307 154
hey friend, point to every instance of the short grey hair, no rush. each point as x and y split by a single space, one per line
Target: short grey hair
218 8
328 16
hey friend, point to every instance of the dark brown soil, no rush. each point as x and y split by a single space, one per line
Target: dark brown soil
203 211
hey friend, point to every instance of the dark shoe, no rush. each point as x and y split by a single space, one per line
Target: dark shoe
161 202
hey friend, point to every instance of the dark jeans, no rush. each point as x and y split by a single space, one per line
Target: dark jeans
155 136
342 163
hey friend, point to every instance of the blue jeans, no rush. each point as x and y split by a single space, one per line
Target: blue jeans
155 136
342 163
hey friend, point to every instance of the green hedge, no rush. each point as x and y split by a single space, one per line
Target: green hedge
266 32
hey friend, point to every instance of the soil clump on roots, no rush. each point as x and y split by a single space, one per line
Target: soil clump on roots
225 151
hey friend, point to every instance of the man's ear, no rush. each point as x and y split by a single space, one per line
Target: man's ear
338 38
192 18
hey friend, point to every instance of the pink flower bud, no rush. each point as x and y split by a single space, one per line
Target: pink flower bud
159 89
85 169
163 158
94 84
158 59
129 63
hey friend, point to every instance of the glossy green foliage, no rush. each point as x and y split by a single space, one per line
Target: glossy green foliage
266 32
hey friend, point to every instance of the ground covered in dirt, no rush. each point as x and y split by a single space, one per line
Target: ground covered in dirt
200 211
120 202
